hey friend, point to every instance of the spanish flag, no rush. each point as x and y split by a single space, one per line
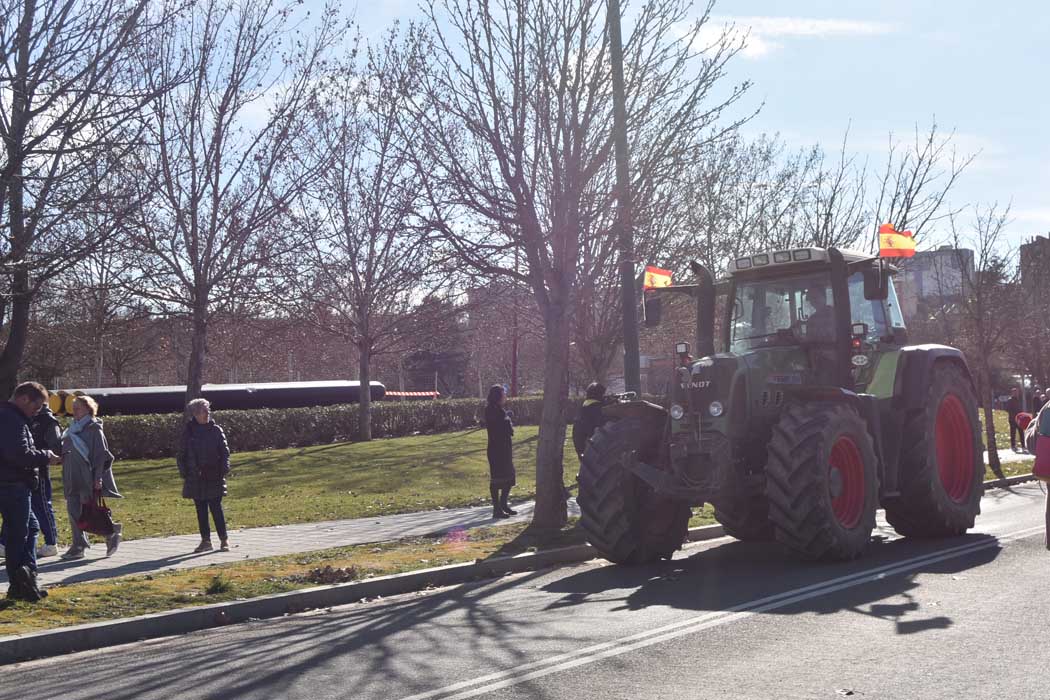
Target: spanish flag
895 244
655 277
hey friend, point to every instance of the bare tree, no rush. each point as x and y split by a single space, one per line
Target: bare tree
835 211
370 260
991 300
227 164
71 92
915 184
519 117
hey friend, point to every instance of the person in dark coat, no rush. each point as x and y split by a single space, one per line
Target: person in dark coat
590 418
1013 407
20 465
204 461
47 435
500 452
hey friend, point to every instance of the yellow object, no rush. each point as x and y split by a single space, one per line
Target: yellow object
69 403
656 277
895 244
54 402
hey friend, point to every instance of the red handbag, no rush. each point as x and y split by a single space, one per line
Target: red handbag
95 517
1041 469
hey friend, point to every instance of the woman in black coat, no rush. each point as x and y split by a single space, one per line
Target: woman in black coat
204 462
500 452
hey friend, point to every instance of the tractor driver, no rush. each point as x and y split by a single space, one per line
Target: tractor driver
820 325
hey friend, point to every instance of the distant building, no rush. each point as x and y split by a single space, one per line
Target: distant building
932 277
1035 260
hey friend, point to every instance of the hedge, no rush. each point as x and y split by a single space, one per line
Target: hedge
156 435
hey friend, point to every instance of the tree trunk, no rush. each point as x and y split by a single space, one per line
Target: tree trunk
198 345
11 359
14 350
989 425
551 511
364 416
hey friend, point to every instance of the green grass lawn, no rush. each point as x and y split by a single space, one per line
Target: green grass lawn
325 482
1002 428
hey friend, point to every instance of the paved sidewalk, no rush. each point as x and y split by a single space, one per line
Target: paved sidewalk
166 553
1007 456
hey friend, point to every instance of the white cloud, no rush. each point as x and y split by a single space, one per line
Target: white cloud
766 34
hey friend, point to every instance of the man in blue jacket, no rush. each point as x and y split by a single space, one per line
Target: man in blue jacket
20 464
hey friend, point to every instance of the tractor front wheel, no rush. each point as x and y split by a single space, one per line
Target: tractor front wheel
623 518
821 481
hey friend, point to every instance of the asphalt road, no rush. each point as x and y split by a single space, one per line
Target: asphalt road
965 617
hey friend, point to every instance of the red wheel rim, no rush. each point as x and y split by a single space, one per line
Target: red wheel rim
846 481
954 448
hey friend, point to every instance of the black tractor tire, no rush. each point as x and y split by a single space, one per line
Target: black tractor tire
744 514
822 481
622 517
942 462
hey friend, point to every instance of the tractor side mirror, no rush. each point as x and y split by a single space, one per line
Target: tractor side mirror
876 283
652 311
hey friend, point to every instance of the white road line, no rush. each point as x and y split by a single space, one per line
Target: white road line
562 662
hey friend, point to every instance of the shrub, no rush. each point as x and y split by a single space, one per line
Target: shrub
156 435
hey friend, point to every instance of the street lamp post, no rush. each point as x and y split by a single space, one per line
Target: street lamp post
631 371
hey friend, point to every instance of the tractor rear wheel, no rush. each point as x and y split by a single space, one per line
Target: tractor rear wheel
623 518
821 481
942 468
744 513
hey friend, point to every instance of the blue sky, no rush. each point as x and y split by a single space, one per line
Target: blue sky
884 66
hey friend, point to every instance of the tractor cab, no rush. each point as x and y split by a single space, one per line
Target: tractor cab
826 314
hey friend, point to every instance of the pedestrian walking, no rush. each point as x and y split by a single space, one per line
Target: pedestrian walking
87 474
204 461
47 435
500 452
1013 407
20 464
590 418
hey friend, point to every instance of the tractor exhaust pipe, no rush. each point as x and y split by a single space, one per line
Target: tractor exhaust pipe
705 310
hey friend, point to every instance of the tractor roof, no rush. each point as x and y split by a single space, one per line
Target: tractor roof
782 261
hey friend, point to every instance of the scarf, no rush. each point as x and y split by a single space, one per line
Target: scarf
73 433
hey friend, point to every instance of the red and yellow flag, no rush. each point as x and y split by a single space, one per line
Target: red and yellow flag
895 244
655 277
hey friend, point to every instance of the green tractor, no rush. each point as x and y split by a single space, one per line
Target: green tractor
816 413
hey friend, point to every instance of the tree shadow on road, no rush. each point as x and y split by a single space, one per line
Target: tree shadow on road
764 578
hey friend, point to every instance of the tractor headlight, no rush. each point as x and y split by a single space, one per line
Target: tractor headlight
677 411
715 409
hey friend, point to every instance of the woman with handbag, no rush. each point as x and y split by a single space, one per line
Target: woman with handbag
204 461
87 476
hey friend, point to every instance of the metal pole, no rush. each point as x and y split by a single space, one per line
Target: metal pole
631 371
514 339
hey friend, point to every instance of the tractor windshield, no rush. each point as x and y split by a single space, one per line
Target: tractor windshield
782 311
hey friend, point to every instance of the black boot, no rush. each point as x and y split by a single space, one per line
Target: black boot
498 514
503 496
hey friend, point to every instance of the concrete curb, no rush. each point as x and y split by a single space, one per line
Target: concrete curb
1008 481
102 634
